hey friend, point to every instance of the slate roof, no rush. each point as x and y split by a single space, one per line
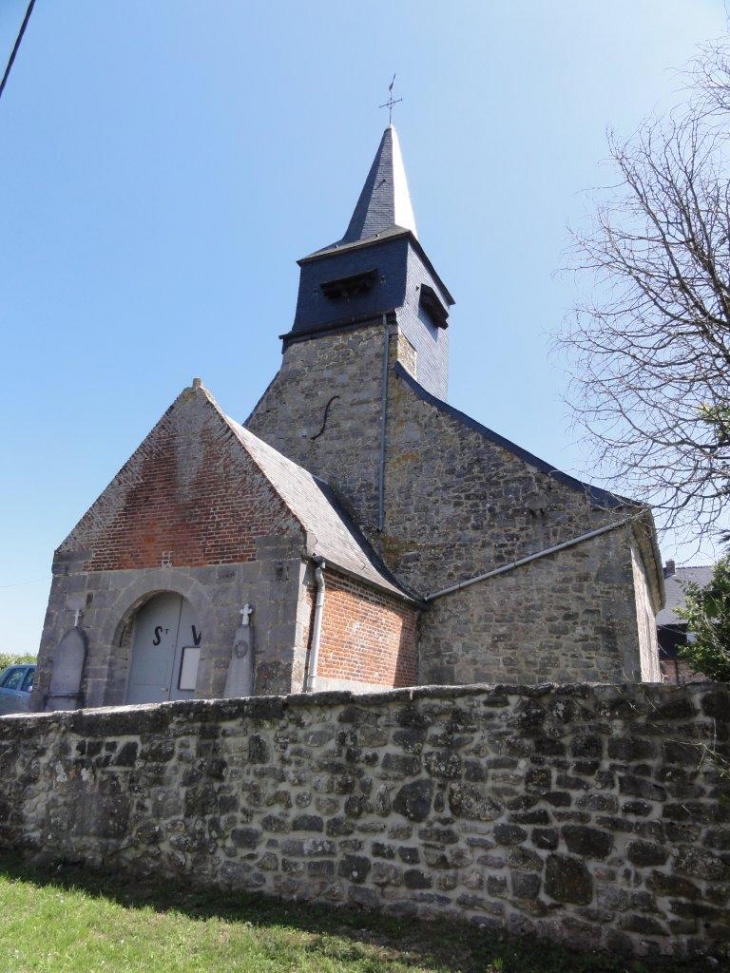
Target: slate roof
330 532
384 200
384 207
674 588
342 246
598 497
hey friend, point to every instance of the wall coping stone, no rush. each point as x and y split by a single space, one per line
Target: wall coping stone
643 698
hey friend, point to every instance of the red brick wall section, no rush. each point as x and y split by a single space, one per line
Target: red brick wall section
191 490
367 636
678 671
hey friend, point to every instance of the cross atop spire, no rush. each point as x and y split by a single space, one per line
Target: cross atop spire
391 101
384 201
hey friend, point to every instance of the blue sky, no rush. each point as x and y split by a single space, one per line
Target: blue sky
163 165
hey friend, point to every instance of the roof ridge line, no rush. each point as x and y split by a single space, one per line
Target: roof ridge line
597 496
371 558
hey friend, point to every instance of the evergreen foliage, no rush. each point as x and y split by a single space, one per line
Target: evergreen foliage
707 612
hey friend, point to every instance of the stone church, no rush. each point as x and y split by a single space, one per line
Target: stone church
356 532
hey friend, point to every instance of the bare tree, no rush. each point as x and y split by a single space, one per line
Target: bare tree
650 348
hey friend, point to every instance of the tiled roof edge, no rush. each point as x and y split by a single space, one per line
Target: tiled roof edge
389 583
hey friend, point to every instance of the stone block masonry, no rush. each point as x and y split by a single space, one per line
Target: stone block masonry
323 411
460 502
597 815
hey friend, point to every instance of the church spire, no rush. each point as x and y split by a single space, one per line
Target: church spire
384 202
379 272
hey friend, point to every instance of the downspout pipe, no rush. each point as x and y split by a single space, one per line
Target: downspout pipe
383 424
319 566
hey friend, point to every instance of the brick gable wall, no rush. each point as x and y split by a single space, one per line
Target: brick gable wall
190 490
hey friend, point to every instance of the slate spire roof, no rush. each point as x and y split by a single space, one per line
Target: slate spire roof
384 202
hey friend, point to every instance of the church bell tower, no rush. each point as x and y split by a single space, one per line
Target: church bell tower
369 300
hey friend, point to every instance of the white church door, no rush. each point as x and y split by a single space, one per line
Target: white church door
166 652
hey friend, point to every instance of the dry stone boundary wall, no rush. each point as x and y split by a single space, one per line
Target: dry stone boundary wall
597 815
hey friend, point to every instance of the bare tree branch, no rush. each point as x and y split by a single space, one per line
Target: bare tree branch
649 348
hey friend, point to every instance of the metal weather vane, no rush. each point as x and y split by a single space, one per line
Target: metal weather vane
390 102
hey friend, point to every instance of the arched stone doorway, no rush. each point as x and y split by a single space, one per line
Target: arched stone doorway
166 650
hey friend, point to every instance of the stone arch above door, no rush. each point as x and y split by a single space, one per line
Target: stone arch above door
118 631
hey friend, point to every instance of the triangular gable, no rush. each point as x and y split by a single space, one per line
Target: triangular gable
603 499
188 496
200 489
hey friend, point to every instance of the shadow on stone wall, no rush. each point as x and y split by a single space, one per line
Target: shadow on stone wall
594 815
341 936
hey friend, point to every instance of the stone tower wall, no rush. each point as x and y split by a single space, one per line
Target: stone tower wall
340 444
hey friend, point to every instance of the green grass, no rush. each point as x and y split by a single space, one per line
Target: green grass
68 919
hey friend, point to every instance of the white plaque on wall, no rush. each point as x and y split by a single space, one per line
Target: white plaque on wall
189 667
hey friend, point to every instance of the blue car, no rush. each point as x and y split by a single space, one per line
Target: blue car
16 683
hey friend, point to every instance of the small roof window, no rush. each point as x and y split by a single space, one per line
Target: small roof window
344 288
432 305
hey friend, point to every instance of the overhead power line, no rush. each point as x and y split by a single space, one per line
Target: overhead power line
17 584
18 39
